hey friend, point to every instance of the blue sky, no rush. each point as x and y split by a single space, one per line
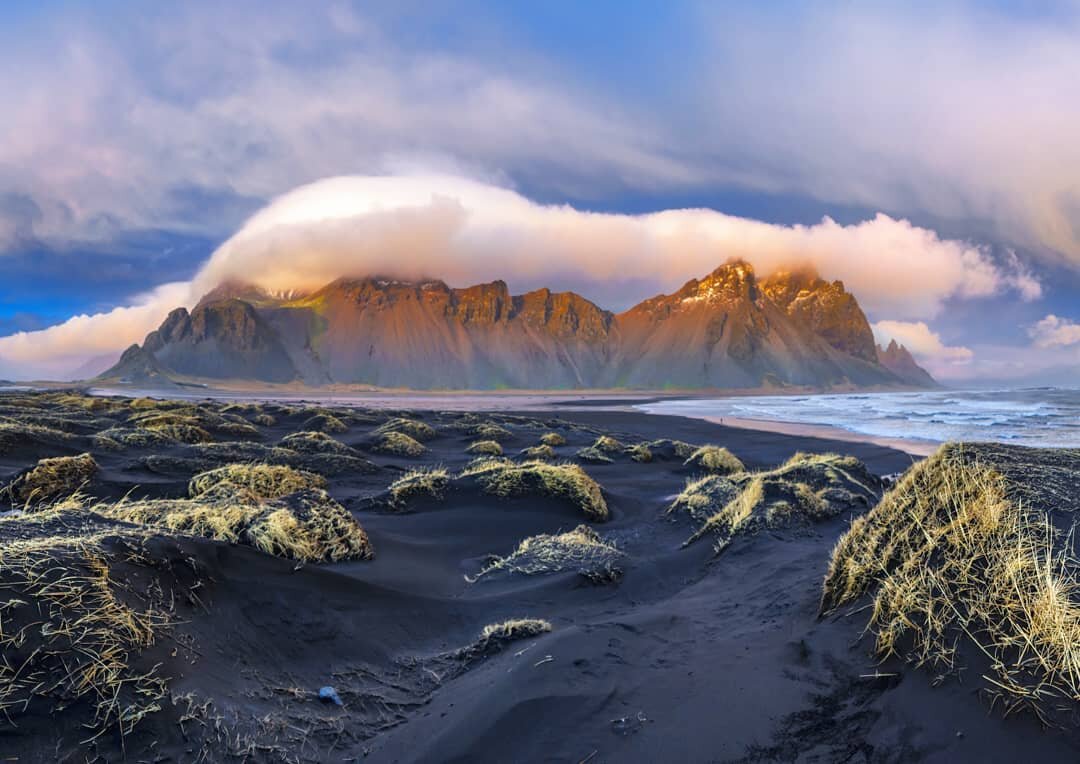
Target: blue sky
140 136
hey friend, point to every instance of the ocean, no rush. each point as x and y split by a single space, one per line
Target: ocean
1042 416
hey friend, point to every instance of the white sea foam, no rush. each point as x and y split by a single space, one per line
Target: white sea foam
1031 416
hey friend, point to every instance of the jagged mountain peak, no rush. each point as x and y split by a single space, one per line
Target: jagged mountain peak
898 359
727 329
249 293
824 306
735 279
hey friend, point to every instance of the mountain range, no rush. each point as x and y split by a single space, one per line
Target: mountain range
730 329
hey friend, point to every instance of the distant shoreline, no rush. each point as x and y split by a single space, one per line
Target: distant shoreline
600 400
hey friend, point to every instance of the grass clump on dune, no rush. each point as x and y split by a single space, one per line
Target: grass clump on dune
704 496
483 464
564 481
601 450
70 631
515 628
263 481
485 447
119 438
580 550
420 482
180 432
17 435
264 420
640 453
804 490
608 445
492 431
193 424
715 459
496 636
552 439
315 442
399 444
327 423
91 403
416 430
307 525
973 548
543 452
53 477
142 404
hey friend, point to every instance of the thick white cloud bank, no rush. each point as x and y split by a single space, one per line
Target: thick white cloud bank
57 352
465 232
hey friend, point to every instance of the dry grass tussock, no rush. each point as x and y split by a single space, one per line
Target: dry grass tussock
413 428
543 452
119 438
552 439
483 464
608 445
308 442
515 628
485 447
715 459
804 490
180 432
68 630
185 423
327 423
141 404
491 431
307 525
496 636
581 550
602 450
53 477
263 481
95 404
640 452
593 455
420 482
15 435
399 444
564 481
952 555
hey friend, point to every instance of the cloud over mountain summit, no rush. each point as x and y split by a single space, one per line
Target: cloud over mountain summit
465 231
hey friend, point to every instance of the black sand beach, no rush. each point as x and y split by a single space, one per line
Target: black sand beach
682 654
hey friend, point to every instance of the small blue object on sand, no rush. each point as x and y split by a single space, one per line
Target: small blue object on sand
329 695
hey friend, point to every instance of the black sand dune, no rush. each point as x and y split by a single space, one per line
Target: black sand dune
676 653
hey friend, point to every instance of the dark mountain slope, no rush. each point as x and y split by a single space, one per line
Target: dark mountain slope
728 330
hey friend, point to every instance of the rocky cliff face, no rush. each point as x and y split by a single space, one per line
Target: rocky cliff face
726 330
427 335
826 308
900 362
227 339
